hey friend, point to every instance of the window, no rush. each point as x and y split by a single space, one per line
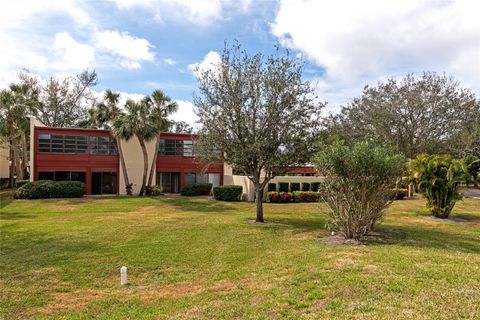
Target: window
188 148
198 177
103 145
62 176
62 143
170 147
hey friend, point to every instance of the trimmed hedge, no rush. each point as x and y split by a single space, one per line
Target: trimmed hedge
272 187
298 196
283 187
199 189
228 193
44 189
20 183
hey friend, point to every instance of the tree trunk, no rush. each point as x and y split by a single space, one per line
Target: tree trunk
259 202
154 161
11 182
122 164
145 167
16 159
24 153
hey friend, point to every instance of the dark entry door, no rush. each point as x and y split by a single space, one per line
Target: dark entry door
170 182
104 182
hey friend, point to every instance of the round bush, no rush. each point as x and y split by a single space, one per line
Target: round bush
228 193
44 189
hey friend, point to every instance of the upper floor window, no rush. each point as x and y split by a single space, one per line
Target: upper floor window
103 145
55 143
171 147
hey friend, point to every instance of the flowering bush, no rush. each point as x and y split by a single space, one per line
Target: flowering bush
290 197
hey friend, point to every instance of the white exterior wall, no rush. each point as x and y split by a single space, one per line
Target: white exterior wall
248 189
132 153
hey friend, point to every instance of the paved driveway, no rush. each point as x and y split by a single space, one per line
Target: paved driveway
471 193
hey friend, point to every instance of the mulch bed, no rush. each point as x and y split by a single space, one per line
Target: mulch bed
374 237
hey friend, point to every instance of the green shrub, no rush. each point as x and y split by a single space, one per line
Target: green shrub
358 183
199 189
294 186
305 186
44 189
20 183
272 187
228 193
438 178
283 187
315 186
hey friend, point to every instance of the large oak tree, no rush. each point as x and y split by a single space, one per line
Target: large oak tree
427 114
257 114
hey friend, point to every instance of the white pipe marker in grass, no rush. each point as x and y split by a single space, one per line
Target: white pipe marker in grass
123 276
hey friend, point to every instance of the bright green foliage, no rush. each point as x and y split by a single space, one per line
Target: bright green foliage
228 193
438 179
473 168
358 182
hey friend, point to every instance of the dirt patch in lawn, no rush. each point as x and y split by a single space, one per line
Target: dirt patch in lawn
374 237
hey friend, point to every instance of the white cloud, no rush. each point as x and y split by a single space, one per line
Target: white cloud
185 113
129 49
209 62
71 54
363 41
170 61
200 12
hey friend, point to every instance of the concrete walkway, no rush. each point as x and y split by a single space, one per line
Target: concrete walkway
471 193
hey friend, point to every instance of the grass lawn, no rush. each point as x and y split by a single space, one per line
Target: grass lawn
197 258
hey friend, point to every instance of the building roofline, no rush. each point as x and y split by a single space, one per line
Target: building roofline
107 131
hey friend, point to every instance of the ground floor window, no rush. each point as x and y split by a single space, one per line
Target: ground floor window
104 182
62 176
191 178
170 181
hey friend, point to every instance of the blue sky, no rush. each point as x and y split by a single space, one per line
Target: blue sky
138 46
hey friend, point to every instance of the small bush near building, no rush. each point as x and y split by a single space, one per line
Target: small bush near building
45 189
20 183
283 187
294 186
399 193
153 190
305 186
272 187
290 197
228 193
199 189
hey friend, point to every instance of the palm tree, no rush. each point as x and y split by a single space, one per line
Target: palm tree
108 115
138 121
161 106
16 104
438 179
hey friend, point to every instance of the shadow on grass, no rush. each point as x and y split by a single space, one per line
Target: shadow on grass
5 198
15 216
198 205
28 250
